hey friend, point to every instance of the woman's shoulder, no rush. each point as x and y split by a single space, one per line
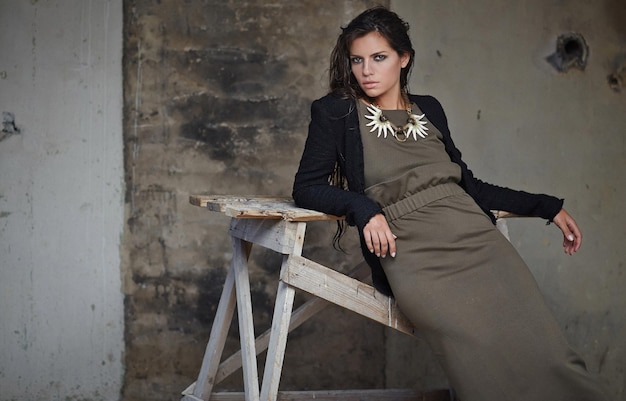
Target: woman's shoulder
433 110
334 105
423 101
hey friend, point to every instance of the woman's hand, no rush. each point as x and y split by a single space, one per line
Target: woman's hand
378 237
572 237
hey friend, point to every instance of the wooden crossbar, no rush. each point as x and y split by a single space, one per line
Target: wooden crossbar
345 291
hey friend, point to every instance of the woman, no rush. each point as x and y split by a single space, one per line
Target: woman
385 160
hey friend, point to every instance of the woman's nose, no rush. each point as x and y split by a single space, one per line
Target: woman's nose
366 68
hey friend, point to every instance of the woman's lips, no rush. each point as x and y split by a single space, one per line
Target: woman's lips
369 84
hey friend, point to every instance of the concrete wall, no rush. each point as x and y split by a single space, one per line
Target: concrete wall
217 98
61 200
523 124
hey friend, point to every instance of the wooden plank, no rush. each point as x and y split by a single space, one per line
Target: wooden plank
278 235
280 324
278 341
345 292
246 324
282 211
217 339
258 207
298 242
347 395
218 201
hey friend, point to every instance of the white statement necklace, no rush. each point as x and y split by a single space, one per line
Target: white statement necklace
414 126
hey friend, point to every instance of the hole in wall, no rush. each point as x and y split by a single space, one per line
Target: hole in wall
614 82
572 47
571 52
617 76
617 80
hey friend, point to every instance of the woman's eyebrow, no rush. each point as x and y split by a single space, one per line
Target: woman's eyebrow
373 54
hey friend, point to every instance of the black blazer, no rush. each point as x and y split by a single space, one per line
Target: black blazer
334 139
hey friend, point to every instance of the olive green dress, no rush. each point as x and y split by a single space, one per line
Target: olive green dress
461 283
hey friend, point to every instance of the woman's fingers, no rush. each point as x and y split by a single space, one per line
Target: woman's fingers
392 245
374 242
378 237
572 236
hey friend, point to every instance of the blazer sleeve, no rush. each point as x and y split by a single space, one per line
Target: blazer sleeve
312 187
493 197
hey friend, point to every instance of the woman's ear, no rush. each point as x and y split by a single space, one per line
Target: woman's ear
405 58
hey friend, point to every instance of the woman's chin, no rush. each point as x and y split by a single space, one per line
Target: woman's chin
372 93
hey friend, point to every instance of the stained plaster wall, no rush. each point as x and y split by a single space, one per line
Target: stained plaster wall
521 123
217 97
61 200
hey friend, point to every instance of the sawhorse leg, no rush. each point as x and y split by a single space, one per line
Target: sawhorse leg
280 324
236 291
278 341
246 324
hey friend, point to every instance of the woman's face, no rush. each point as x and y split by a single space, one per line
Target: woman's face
376 67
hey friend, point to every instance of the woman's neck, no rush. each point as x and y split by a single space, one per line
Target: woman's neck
397 102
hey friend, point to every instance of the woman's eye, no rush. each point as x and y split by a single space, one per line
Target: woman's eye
356 60
379 57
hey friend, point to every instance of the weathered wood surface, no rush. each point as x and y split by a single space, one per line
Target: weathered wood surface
280 325
278 341
217 340
239 265
345 291
258 207
278 235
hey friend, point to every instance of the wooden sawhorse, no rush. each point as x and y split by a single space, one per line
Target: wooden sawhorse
277 224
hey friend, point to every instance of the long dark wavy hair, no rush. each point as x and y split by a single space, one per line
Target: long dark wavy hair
378 19
343 83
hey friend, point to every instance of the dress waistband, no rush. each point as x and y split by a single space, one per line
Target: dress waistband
420 199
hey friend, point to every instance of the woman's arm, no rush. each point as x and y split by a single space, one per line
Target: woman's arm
312 188
493 197
489 196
